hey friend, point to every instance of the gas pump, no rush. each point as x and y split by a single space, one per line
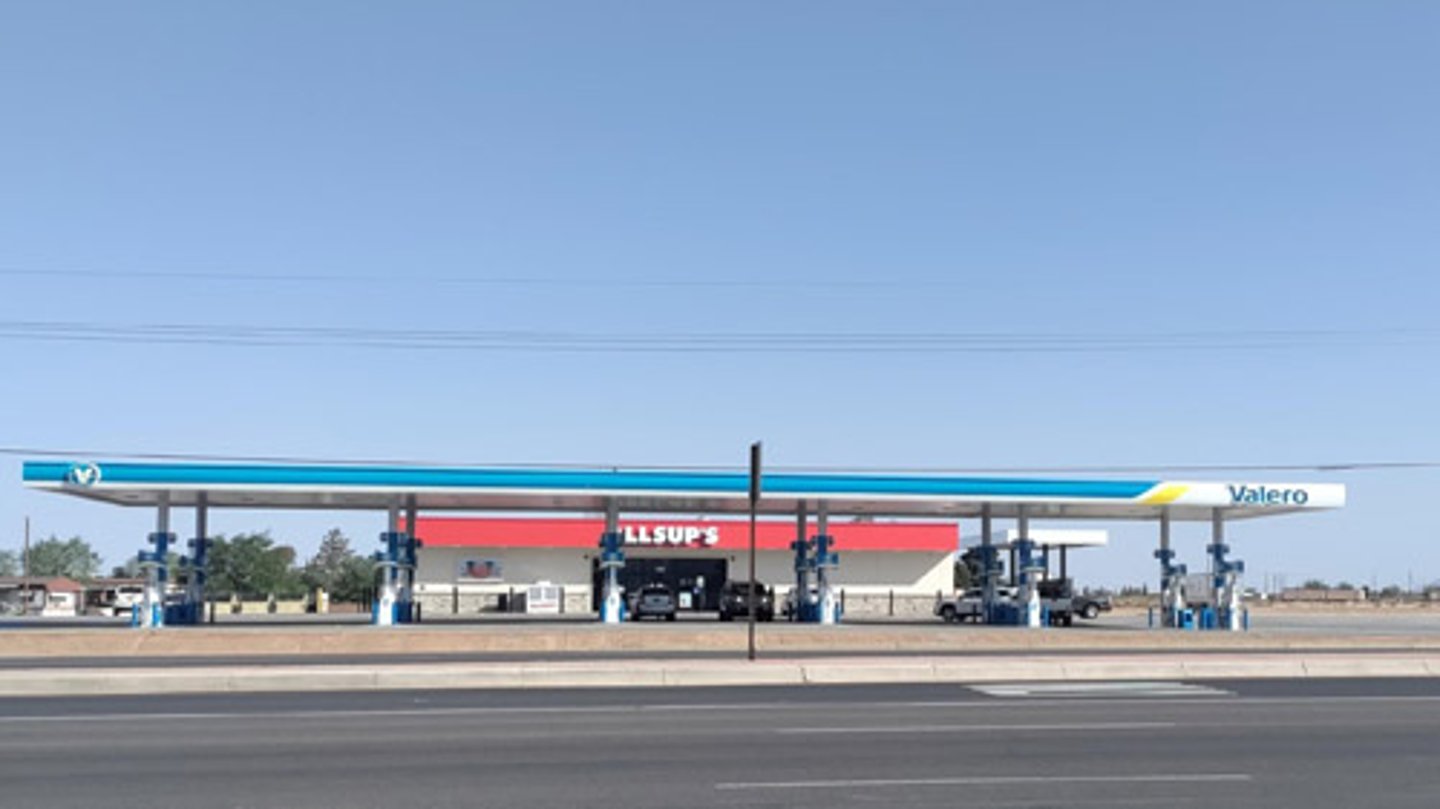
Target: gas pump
1172 599
801 598
612 558
405 563
1030 570
155 563
826 560
193 610
387 562
1225 578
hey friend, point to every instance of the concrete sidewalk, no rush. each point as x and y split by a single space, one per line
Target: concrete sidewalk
671 673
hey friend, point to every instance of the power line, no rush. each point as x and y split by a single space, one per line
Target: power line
1324 466
249 335
413 280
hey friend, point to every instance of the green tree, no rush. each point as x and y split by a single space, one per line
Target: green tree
344 574
9 563
73 558
132 569
252 565
328 563
968 569
964 576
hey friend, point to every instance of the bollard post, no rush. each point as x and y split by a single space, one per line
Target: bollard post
455 600
892 601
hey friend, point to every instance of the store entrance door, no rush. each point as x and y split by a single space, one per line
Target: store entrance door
695 582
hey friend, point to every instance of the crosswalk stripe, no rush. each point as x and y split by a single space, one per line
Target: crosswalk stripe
1100 689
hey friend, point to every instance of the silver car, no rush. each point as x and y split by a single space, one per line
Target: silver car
655 601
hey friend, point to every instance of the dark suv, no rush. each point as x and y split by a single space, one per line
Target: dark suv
735 601
655 601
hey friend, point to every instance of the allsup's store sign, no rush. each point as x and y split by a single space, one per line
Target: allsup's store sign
672 535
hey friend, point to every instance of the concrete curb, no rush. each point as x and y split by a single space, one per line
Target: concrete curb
690 673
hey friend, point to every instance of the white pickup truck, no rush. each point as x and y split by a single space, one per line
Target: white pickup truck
969 605
121 599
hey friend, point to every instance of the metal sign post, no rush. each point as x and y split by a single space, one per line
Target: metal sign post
754 504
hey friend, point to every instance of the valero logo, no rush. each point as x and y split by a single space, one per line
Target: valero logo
1243 495
84 474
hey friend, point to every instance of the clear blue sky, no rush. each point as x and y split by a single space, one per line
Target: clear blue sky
1136 168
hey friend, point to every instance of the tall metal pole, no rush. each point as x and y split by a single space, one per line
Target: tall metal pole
754 506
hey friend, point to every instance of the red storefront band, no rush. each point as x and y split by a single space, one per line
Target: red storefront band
680 535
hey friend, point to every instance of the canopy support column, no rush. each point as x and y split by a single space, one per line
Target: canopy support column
409 560
989 563
612 559
194 609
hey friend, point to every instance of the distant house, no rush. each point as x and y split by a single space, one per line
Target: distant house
51 596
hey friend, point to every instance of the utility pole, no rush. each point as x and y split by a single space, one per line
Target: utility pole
754 505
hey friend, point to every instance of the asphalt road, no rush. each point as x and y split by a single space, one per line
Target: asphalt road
1260 743
426 658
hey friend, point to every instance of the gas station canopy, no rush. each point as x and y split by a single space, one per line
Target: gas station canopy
336 487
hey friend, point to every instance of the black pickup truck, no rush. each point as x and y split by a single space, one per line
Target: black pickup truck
1059 596
1090 606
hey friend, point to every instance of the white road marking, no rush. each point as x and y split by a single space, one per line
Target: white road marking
559 710
998 780
1104 689
359 713
983 728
